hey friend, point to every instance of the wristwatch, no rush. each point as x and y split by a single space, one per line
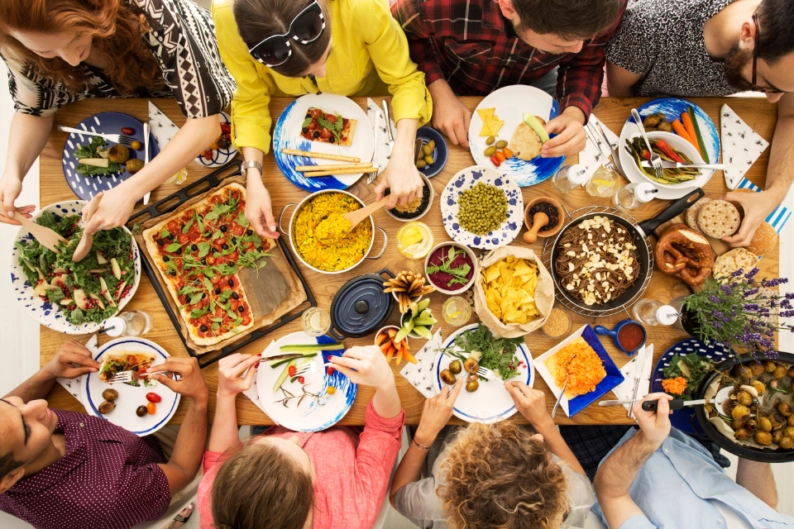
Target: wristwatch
251 164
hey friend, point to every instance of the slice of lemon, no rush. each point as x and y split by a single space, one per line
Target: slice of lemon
412 237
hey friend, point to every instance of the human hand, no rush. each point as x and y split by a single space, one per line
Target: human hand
654 426
230 369
10 188
450 116
437 412
757 207
72 360
366 366
190 383
570 139
114 209
531 403
401 176
258 208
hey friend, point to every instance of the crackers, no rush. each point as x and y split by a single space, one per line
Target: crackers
736 259
718 219
692 213
491 124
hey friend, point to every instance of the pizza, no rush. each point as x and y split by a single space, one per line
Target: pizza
138 363
328 127
199 252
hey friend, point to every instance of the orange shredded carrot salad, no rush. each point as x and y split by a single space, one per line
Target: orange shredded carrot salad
675 386
586 370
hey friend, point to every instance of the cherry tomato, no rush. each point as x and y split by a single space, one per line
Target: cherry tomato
153 397
331 390
301 380
500 156
127 131
226 128
291 371
151 408
507 152
495 161
331 371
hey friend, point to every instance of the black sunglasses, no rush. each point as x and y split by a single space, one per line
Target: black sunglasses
754 83
305 28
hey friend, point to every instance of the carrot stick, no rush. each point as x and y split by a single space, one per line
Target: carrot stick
681 131
690 129
399 356
389 356
408 356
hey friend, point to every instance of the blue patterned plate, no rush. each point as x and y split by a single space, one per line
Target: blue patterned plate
672 108
85 187
491 402
42 311
287 135
682 419
219 156
468 178
311 414
130 397
510 103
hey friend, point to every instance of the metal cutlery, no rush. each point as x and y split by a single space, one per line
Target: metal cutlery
656 160
562 391
651 405
677 165
146 157
311 367
372 176
602 142
601 156
129 376
112 138
388 125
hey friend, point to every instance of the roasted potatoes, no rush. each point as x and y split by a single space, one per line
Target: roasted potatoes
740 412
454 366
106 407
447 377
110 394
470 364
744 398
472 386
763 438
784 408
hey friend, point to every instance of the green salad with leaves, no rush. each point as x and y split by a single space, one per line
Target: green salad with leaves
86 292
496 354
684 373
94 149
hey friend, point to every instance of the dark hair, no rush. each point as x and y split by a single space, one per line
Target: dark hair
568 19
775 18
261 487
259 19
8 464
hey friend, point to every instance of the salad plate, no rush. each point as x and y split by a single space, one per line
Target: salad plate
491 402
318 402
86 187
50 313
221 155
131 397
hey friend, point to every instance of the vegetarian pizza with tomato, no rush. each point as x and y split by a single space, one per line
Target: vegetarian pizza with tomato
199 252
326 127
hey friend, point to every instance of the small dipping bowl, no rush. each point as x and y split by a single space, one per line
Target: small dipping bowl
439 153
560 215
628 335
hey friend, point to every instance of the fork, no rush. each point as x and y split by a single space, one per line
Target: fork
127 376
486 373
656 160
562 392
602 142
601 156
311 367
112 138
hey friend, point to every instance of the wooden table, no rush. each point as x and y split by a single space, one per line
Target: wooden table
613 112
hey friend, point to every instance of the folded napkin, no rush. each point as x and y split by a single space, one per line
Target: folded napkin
420 374
741 146
163 129
378 123
626 388
75 385
588 156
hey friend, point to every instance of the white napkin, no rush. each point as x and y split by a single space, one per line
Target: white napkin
626 388
588 156
378 123
420 374
741 146
75 385
253 393
163 129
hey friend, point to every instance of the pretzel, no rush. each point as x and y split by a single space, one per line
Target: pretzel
686 253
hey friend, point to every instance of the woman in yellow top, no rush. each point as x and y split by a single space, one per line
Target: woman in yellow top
293 47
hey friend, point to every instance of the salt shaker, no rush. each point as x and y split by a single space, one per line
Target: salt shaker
132 323
654 313
569 177
634 195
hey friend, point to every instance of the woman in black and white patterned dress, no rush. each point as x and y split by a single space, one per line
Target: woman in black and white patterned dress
61 51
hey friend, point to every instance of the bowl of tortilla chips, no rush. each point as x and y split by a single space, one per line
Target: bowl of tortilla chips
513 292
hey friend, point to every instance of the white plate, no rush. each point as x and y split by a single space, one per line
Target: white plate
510 103
678 143
450 206
287 135
491 402
130 397
220 157
44 312
310 415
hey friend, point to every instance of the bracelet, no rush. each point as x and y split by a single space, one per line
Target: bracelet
423 447
250 165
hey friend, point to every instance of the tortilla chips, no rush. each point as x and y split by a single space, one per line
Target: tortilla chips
509 287
491 124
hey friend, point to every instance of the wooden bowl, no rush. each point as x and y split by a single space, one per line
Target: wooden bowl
560 212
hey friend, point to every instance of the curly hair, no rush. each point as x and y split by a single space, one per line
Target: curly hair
115 26
498 477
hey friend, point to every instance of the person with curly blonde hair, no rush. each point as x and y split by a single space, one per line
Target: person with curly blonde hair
501 475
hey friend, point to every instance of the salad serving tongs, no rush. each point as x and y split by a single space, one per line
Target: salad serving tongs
84 246
47 237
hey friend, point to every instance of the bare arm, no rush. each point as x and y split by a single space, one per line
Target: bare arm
235 374
71 361
758 479
621 81
28 136
36 387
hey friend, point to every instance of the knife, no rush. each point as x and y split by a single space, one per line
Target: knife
146 157
638 373
675 404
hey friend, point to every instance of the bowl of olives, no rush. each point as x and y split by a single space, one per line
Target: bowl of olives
433 155
757 421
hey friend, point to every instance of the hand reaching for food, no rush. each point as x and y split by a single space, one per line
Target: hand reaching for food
450 116
654 425
570 136
531 403
402 177
756 206
72 360
259 210
366 366
190 383
113 210
232 376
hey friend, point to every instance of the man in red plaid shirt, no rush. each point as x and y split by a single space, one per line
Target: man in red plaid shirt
473 47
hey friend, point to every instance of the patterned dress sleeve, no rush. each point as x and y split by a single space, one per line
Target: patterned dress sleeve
182 38
36 95
633 47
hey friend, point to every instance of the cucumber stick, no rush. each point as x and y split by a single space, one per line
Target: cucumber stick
699 138
535 125
284 374
285 360
311 348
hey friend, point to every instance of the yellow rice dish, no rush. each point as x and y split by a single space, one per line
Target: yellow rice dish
330 254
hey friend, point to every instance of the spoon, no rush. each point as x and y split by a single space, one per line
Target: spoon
538 221
354 217
84 246
562 392
48 238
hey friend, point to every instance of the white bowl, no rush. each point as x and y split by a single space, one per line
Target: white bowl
459 246
427 209
676 142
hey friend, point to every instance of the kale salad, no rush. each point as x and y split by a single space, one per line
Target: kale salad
86 292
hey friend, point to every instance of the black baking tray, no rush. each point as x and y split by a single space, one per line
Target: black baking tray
169 204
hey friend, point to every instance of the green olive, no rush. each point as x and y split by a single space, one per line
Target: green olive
490 151
427 149
428 159
490 140
432 144
455 366
421 163
501 144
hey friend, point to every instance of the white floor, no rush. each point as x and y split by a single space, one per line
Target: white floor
20 334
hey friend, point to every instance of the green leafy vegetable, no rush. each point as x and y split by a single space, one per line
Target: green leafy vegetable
692 367
460 273
498 354
92 150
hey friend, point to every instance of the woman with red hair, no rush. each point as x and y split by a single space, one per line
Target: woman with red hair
61 51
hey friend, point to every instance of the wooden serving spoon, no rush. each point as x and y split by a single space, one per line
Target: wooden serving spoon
48 238
354 217
538 221
84 246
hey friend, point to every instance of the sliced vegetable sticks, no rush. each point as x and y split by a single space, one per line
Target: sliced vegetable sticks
690 130
698 135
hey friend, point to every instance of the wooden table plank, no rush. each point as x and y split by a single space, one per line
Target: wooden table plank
613 112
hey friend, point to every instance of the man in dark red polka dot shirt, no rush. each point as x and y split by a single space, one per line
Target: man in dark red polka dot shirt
67 470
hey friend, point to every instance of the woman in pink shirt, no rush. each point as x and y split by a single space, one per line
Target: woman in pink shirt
288 480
